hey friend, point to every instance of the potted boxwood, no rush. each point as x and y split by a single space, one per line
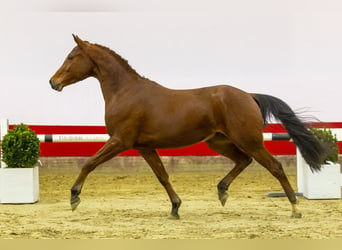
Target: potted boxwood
19 180
325 184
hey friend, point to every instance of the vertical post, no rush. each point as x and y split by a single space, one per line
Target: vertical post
3 132
300 168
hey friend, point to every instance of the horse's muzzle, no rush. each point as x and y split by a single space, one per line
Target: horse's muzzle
56 86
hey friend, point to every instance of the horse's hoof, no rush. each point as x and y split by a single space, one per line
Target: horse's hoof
174 210
75 201
174 217
223 198
296 215
295 211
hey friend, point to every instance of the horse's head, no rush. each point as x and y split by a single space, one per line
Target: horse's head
76 67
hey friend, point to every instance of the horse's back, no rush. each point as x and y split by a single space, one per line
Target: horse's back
218 103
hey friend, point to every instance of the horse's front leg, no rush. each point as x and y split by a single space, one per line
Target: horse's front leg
152 158
112 147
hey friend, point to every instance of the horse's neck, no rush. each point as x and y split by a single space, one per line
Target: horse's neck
117 77
114 78
112 88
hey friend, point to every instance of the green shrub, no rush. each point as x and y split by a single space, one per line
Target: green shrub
20 147
330 140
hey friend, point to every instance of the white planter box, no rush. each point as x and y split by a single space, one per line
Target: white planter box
19 185
325 184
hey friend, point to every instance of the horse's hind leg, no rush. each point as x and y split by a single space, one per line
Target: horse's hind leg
250 145
253 145
223 146
275 168
152 158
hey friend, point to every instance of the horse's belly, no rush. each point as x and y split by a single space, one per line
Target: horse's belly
175 140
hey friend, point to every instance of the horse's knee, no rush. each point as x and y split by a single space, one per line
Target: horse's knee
243 162
89 166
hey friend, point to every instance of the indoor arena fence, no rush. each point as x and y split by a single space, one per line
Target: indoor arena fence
77 140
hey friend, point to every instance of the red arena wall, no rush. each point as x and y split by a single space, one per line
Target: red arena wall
90 148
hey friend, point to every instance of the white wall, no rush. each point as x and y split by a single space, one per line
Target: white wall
290 49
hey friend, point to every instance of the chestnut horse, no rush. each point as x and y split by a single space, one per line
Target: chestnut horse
145 116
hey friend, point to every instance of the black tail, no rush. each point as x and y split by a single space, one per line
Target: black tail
310 147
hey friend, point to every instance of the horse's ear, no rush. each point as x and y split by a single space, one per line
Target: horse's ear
86 48
79 41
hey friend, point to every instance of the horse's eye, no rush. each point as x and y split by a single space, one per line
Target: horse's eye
70 57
